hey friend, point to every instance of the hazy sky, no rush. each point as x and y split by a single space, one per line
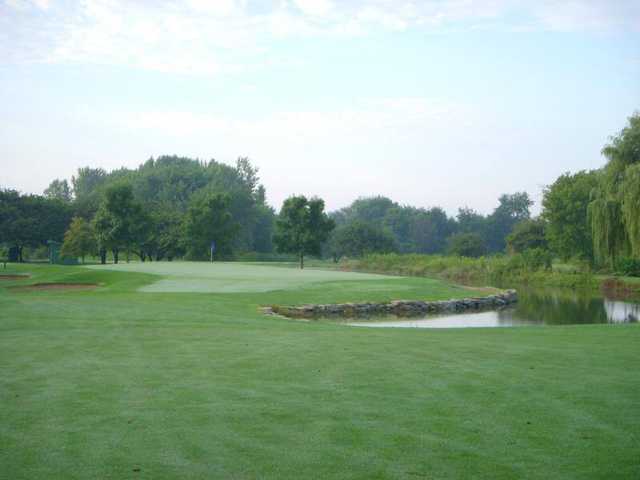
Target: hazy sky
443 102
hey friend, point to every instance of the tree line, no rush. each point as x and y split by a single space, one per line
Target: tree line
170 207
594 216
167 208
588 217
176 207
380 225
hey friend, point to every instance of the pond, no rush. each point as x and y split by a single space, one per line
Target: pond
534 307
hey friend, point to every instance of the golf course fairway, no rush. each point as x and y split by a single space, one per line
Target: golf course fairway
170 371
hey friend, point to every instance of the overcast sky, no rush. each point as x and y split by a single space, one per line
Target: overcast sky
432 103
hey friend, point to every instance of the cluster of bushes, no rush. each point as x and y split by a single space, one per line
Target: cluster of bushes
627 266
264 257
531 266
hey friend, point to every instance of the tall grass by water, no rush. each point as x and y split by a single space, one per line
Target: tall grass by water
500 270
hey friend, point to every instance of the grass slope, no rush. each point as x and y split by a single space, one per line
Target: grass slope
292 284
117 383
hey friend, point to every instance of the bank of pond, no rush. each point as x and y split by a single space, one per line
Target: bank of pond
535 307
502 270
531 306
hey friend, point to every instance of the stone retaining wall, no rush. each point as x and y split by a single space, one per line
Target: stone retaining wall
401 308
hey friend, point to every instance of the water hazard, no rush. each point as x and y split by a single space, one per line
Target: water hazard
534 307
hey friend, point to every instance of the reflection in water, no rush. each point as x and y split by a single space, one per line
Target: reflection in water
621 312
463 320
534 307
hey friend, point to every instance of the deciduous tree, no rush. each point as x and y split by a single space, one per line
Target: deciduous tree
31 220
526 235
564 208
79 239
302 227
513 208
466 245
60 190
118 220
208 220
358 238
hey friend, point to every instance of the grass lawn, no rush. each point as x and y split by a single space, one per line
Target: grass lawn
169 371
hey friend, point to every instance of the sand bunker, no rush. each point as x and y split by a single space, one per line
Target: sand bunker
13 277
55 286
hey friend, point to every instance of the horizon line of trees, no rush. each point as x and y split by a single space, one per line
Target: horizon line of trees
591 217
165 208
176 207
116 220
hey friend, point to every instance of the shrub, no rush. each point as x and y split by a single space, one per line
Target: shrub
38 253
264 257
466 245
537 259
628 266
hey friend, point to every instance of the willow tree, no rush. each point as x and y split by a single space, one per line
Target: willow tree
607 227
614 209
631 207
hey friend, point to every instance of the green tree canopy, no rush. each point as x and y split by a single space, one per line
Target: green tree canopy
358 238
31 220
60 190
88 189
209 219
165 239
118 220
613 211
470 221
466 245
79 239
564 208
302 227
513 208
167 183
526 235
414 229
367 209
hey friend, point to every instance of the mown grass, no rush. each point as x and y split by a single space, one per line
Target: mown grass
117 383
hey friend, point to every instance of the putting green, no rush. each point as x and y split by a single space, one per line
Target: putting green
220 277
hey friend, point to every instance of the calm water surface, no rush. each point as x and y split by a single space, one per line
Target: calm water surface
534 307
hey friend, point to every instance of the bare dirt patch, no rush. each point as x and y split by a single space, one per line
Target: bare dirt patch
38 287
14 277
